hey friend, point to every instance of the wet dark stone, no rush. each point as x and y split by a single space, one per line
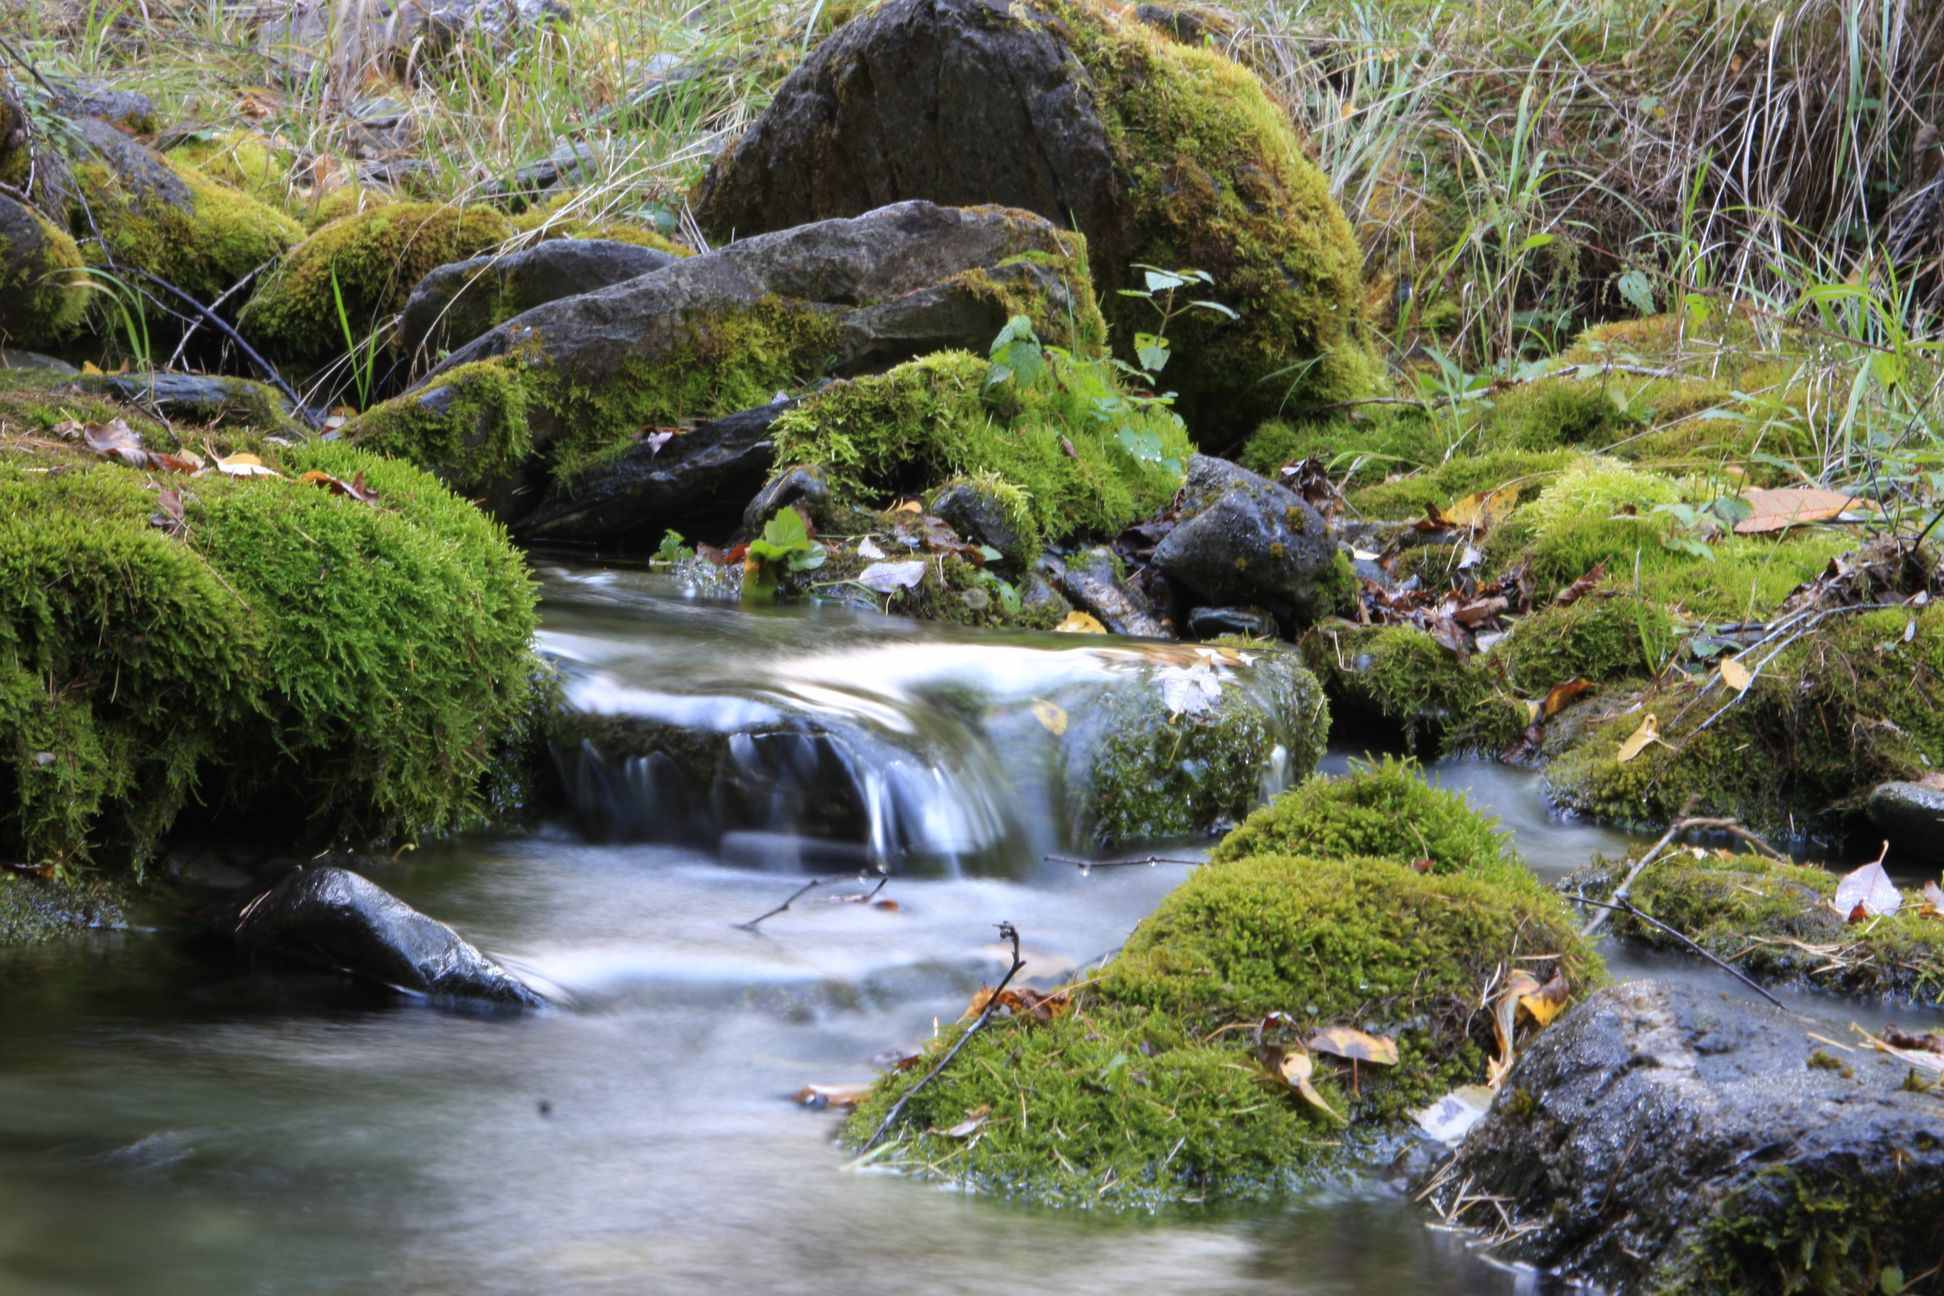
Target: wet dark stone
334 920
1247 540
458 302
1089 581
1664 1138
198 398
1911 815
974 512
1213 623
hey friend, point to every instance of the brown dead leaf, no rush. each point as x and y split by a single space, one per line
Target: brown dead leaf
1560 696
907 506
1079 623
1517 985
1294 1067
355 489
1580 588
1791 506
1548 1000
1344 1042
116 440
168 513
1735 675
821 1096
1640 740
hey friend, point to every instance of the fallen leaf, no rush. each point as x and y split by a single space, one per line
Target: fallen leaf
1735 675
1648 733
1343 1042
1548 1000
821 1096
888 906
1933 906
1051 715
1296 1066
972 1124
1482 511
1790 506
116 440
1560 696
1451 1117
1580 588
1079 623
168 515
1189 690
907 506
1868 891
1423 865
890 577
867 549
245 465
1517 985
338 486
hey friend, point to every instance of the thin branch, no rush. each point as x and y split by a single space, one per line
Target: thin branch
1006 932
216 305
1626 883
795 896
1629 907
298 408
1086 865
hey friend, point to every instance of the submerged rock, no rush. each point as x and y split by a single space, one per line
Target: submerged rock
335 920
1668 1139
456 303
1157 153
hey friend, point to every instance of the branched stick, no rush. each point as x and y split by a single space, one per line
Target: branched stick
1086 865
1629 907
222 326
216 305
1006 932
795 896
1626 883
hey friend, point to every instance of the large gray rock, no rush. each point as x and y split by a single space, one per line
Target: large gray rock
456 303
1663 1138
1911 815
1246 540
335 920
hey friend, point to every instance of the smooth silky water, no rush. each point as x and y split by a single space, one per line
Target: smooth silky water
170 1127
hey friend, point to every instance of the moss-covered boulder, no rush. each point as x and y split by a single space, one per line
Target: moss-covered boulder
601 375
257 652
43 294
142 212
1149 1090
1159 154
369 262
1397 679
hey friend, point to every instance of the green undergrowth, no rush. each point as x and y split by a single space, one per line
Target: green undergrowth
953 590
894 434
1150 1091
1775 922
1403 678
318 666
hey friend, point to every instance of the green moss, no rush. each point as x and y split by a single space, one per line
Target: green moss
1358 450
1847 707
1138 1097
1604 635
566 216
1149 779
468 427
936 418
1382 808
43 296
35 909
342 668
1464 474
1219 182
1775 922
376 257
1787 1232
205 246
1551 415
1405 678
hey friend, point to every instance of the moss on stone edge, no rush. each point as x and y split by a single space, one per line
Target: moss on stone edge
1138 1098
204 248
932 419
34 909
1401 676
343 670
468 427
1604 635
43 296
377 256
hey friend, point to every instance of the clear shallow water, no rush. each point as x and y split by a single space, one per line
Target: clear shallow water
169 1127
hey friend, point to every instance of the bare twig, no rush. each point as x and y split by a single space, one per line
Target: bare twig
1629 907
298 408
1086 865
795 896
1006 932
1626 883
216 305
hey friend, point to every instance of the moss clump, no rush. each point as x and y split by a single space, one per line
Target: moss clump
1361 450
290 657
43 294
1851 705
1775 922
1552 415
376 257
932 419
1385 809
36 909
1401 676
568 215
1596 638
1464 474
468 427
1139 1098
1137 774
202 236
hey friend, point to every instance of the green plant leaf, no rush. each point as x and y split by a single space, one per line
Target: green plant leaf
1152 351
1638 292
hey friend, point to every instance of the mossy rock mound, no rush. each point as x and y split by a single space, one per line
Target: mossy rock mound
267 168
1139 1096
370 262
1161 155
256 652
1776 922
1397 679
43 294
169 220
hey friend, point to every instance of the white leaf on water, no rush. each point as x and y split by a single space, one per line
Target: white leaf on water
889 577
1189 690
1870 887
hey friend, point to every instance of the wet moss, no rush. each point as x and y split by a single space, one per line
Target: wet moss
1604 635
43 294
1355 450
1465 474
376 258
1788 1232
1140 1097
1435 700
34 909
324 667
468 427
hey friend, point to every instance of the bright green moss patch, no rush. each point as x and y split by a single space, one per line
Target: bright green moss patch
1382 808
897 433
376 257
1775 922
324 668
1366 449
1139 1097
468 426
1596 638
1405 678
1464 474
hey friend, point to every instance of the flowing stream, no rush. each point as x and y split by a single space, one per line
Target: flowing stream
169 1126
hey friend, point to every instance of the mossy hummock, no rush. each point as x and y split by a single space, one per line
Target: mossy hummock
282 655
43 294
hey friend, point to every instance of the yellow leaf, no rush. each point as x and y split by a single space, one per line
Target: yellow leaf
1735 675
907 506
1547 1001
1649 732
90 368
245 465
1296 1069
1079 623
1051 715
1484 510
1344 1042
